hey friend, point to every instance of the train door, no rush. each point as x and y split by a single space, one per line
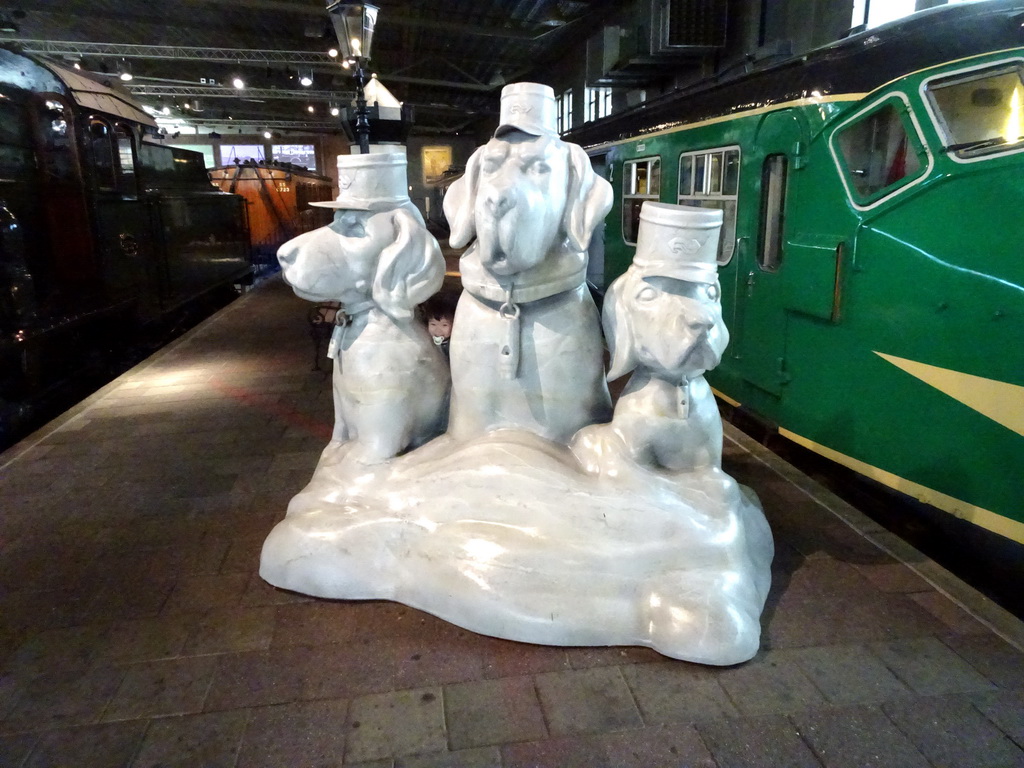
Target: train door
760 350
124 223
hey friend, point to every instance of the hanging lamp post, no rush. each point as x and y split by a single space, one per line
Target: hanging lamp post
353 25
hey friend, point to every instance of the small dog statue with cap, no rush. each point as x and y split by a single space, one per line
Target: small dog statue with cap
379 261
663 320
526 347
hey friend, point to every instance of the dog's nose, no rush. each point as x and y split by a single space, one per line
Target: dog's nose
287 256
499 203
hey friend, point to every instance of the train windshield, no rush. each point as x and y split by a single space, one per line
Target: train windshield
980 112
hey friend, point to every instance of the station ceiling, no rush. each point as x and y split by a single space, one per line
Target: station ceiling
446 58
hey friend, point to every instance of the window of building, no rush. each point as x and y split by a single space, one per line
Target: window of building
711 179
878 151
641 180
565 111
209 158
229 153
303 155
979 112
774 175
598 103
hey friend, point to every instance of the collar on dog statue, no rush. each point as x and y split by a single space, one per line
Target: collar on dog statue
562 270
342 320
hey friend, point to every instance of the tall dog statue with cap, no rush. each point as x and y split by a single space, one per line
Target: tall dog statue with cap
663 320
378 260
526 348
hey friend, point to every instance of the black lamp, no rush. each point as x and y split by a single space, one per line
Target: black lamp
353 24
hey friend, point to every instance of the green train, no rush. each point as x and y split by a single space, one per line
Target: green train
872 256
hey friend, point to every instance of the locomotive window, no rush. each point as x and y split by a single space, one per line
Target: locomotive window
126 160
979 112
773 211
101 146
710 179
879 152
641 180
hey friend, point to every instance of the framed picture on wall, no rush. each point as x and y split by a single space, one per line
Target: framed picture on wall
436 160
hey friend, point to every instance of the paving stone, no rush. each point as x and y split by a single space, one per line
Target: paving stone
198 594
1006 710
426 662
92 746
493 712
481 757
208 740
949 731
242 629
158 688
992 656
563 752
504 658
771 683
664 746
147 639
67 649
674 691
929 667
585 658
756 742
15 749
393 724
60 700
850 675
949 613
310 734
312 623
857 737
587 701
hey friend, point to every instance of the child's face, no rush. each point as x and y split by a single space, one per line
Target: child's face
439 326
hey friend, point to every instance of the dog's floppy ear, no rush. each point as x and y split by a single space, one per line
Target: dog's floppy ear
589 200
459 202
410 270
617 322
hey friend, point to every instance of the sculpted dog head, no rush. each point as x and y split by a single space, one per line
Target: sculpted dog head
387 256
672 327
524 196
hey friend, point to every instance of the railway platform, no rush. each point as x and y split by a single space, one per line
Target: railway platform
135 630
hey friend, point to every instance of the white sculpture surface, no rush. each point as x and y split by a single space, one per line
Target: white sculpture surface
377 259
529 519
526 345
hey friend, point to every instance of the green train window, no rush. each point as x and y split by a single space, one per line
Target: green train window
101 150
641 180
879 153
774 173
979 112
711 179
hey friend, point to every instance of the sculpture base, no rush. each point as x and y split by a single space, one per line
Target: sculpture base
505 535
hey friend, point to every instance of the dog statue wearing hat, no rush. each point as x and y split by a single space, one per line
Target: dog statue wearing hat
663 319
526 348
390 382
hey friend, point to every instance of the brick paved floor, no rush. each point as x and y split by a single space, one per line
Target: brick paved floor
134 629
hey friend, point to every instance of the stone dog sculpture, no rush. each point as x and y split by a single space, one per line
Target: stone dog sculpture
526 348
531 519
663 319
376 258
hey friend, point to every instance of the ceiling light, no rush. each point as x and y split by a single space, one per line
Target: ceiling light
306 78
124 71
267 135
335 111
333 53
310 108
239 83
